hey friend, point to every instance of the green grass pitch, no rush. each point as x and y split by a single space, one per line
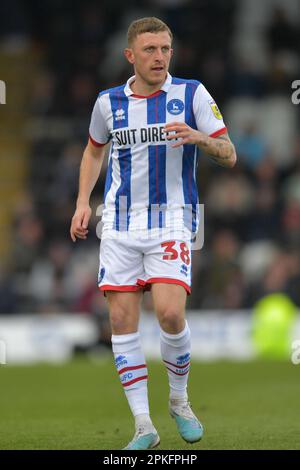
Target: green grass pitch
81 405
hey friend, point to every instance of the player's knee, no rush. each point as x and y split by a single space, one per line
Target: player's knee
171 320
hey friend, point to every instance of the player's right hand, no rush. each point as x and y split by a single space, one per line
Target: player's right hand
80 222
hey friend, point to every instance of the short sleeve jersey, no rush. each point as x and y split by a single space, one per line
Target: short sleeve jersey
149 184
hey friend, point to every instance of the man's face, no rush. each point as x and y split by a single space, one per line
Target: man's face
150 55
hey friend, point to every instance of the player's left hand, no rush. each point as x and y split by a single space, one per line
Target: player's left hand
186 134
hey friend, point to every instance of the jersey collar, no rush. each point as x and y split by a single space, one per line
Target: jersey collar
165 87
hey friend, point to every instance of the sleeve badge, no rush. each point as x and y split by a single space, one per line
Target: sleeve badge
215 109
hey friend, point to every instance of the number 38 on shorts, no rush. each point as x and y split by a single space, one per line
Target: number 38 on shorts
173 252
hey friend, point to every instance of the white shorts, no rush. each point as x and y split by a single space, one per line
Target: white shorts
135 262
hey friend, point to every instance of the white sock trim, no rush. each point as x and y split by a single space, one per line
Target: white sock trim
178 339
127 342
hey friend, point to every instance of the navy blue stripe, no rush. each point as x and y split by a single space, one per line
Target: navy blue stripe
157 186
119 107
108 179
156 109
156 113
189 113
189 187
190 153
123 195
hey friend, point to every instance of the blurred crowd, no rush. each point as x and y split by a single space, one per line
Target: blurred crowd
247 56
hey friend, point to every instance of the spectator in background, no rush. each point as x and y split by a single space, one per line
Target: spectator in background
65 178
281 33
219 277
48 276
264 218
251 146
8 296
43 92
29 234
282 275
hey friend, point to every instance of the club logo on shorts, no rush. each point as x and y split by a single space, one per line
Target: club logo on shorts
101 275
184 269
175 106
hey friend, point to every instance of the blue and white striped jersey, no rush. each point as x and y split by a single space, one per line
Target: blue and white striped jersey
149 184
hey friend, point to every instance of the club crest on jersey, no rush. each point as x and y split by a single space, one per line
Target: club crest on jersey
120 114
215 109
175 106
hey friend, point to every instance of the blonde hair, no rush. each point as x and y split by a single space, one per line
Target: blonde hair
146 25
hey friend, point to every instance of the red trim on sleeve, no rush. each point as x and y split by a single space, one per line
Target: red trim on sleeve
219 132
96 144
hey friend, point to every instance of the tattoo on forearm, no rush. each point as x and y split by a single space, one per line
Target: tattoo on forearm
220 152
